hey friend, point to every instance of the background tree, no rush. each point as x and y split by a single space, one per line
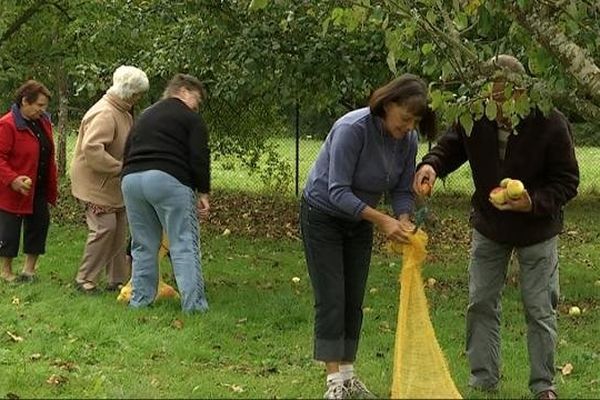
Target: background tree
261 58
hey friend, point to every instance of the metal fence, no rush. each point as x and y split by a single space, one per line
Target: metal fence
270 150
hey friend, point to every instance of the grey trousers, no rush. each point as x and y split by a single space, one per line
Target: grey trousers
539 293
105 248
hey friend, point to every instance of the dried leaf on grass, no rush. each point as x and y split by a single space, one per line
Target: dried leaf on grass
56 380
234 388
177 324
15 338
566 369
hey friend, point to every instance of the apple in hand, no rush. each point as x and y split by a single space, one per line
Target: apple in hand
504 182
426 189
498 195
515 189
27 182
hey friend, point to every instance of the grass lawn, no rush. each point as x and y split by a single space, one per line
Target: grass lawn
256 340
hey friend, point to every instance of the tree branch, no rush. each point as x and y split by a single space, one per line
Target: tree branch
21 20
574 58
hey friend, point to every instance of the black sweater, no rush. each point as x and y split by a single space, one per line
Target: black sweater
170 137
541 155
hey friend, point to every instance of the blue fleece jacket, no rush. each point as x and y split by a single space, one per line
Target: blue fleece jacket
357 163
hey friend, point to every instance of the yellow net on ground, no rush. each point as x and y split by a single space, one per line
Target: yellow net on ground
420 369
164 290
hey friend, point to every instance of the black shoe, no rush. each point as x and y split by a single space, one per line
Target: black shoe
114 287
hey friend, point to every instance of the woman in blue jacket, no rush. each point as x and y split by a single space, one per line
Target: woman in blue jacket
368 152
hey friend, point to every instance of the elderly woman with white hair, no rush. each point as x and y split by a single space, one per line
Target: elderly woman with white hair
95 179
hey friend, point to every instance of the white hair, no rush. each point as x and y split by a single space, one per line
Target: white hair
128 81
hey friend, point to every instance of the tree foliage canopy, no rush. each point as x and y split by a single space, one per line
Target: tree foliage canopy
327 55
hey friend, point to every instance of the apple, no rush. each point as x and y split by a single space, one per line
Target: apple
574 311
514 189
504 182
27 182
426 189
498 195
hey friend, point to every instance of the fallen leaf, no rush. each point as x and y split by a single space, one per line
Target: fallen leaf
14 337
56 379
235 388
566 369
177 324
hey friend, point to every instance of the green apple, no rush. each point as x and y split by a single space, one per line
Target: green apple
515 189
574 311
498 195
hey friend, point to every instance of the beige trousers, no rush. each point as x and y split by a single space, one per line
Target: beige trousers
105 248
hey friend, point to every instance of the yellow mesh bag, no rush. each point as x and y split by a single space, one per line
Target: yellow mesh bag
420 369
164 290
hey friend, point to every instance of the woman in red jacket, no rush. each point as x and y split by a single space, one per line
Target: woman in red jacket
28 179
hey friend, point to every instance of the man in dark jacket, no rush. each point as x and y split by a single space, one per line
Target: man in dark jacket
539 152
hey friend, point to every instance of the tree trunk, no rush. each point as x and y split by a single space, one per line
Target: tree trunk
63 120
61 79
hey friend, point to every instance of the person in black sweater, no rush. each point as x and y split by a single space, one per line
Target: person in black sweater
166 185
539 151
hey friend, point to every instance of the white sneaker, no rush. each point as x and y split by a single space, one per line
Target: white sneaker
355 389
336 391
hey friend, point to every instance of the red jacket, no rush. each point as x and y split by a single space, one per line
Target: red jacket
19 155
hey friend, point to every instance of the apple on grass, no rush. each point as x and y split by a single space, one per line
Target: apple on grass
574 311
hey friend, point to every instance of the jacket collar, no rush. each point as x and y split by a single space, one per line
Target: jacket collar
117 102
20 121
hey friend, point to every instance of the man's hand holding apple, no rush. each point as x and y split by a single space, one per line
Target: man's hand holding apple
424 180
521 204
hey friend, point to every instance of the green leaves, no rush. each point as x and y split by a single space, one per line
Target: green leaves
466 121
491 110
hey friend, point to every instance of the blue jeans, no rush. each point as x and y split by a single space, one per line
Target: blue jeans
155 200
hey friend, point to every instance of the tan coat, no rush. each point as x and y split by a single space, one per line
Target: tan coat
98 157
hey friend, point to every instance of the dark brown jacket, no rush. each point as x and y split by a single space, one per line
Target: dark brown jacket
541 154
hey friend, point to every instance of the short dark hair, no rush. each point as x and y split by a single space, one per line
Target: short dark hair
30 91
408 91
186 81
